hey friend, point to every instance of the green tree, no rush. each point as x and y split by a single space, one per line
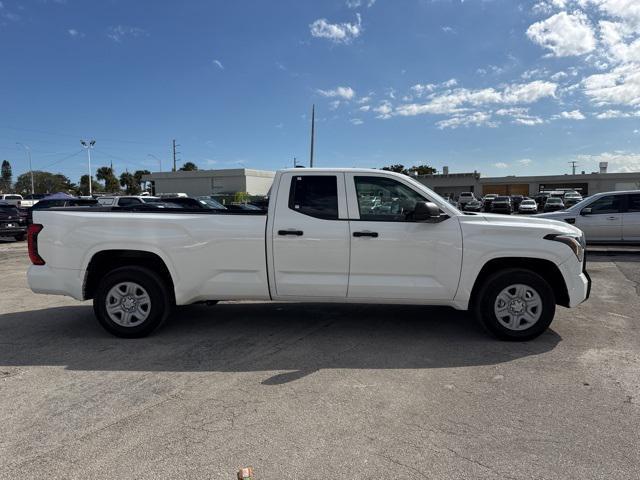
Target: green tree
421 170
395 168
110 180
83 186
44 182
188 167
128 181
240 197
137 175
6 177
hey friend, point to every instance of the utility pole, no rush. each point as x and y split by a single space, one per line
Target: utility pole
573 165
175 153
295 162
27 149
88 146
313 131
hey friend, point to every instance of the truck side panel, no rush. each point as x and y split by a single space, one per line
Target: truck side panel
209 257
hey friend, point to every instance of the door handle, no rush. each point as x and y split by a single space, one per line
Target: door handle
297 233
366 234
612 218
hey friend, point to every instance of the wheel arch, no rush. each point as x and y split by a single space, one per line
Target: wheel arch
105 261
545 268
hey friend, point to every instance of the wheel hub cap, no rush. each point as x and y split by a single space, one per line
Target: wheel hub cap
518 307
128 304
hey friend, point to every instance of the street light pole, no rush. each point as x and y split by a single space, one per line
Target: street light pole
88 146
27 149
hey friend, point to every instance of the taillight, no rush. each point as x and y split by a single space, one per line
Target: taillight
32 242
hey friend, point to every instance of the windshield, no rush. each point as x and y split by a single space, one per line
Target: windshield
209 202
554 200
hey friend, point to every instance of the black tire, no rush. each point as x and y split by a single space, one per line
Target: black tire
486 297
19 238
161 302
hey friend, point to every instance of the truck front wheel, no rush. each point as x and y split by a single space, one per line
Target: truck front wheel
131 302
515 304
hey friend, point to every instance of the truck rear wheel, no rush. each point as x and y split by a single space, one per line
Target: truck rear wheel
131 302
515 304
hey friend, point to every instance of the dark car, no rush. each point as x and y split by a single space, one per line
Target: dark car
502 205
487 200
515 201
59 202
11 225
553 204
472 206
541 199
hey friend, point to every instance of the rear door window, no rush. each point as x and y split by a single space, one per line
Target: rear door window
315 195
634 203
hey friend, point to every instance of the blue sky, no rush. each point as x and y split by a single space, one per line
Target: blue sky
499 86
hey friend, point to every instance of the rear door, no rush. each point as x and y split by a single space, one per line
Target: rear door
310 236
631 219
392 256
604 222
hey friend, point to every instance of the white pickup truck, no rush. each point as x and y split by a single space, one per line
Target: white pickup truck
330 235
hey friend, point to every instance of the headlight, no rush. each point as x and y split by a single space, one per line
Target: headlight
575 243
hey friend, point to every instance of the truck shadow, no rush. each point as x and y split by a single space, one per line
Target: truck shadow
291 338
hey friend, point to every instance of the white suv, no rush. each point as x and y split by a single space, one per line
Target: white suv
464 198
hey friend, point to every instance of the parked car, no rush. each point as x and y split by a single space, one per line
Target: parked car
12 198
10 223
464 198
30 200
541 199
553 204
309 246
502 204
126 200
212 202
571 198
47 203
473 206
193 203
528 205
486 201
515 201
608 217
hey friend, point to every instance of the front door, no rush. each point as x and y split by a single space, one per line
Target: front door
310 236
392 256
603 223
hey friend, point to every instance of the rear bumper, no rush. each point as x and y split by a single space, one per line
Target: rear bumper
20 230
55 281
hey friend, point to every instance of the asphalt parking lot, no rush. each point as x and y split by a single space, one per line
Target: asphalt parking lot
320 391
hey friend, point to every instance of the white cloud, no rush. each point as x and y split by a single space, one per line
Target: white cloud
334 105
476 119
455 101
383 110
558 76
218 64
356 121
363 100
572 115
448 29
452 82
119 32
528 121
620 86
619 161
75 33
359 3
336 32
565 34
346 93
607 114
501 165
364 108
525 162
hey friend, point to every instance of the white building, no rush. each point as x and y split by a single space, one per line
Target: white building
211 182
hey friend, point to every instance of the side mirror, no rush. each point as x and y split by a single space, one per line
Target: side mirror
426 212
586 211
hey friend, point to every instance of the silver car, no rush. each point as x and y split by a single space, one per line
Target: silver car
528 205
609 217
